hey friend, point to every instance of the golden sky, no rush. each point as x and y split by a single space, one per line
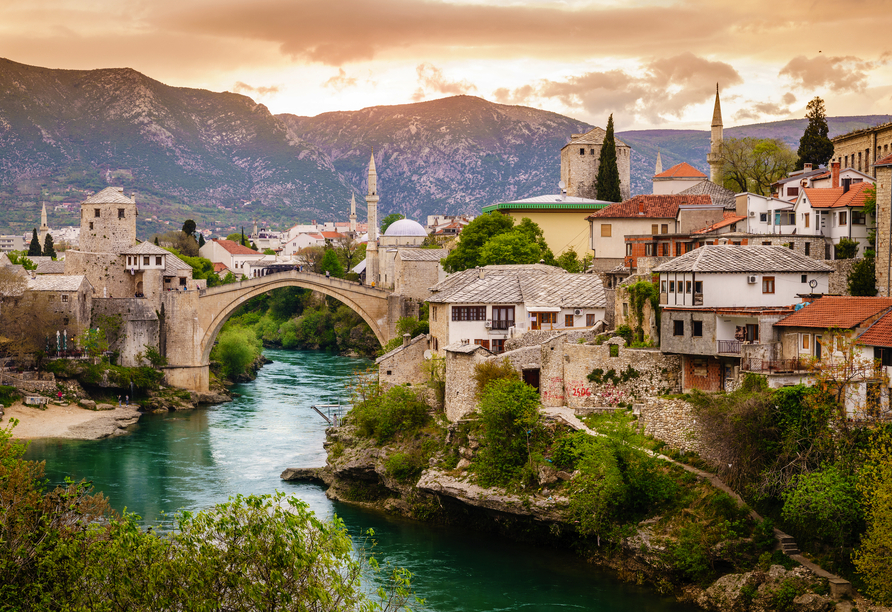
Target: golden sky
653 63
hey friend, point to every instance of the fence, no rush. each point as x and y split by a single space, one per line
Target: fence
773 365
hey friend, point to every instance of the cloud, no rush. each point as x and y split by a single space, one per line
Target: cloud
755 110
788 98
240 87
666 86
431 78
340 82
838 73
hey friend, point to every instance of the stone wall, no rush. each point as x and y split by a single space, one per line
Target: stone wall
625 314
105 271
525 358
537 337
579 171
140 326
669 420
461 388
30 382
839 278
884 231
403 365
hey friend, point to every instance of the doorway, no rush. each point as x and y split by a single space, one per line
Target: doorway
531 377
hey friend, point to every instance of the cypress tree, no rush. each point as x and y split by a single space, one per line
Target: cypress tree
608 173
815 147
49 249
201 241
34 249
156 241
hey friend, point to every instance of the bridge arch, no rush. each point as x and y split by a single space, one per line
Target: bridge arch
217 304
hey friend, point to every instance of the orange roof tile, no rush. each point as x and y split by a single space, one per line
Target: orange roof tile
880 333
730 219
844 312
235 248
650 207
886 161
331 235
219 266
834 197
682 170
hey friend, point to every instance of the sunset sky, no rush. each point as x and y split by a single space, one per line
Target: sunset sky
653 63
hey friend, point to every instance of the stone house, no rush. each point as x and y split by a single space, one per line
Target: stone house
581 158
461 388
861 149
835 213
402 365
883 170
69 297
719 304
415 271
485 306
231 254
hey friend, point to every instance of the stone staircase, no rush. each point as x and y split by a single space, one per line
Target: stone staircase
788 545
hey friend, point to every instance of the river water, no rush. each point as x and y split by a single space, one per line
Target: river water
193 460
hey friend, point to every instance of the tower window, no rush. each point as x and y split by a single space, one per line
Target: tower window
581 151
95 212
120 213
591 151
91 225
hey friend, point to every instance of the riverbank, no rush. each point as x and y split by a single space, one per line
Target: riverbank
71 421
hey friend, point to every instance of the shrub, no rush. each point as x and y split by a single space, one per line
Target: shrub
488 371
8 396
569 449
404 467
846 248
236 349
383 415
823 505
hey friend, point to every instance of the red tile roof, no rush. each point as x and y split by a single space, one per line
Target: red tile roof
880 333
682 170
844 312
834 197
234 247
886 161
730 219
650 207
219 266
331 235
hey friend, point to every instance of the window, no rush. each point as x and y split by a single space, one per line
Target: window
808 249
158 260
671 286
433 313
664 229
805 278
483 343
498 345
678 328
767 284
687 287
548 317
665 249
435 344
843 218
763 217
884 355
697 329
698 287
502 317
145 260
589 320
591 151
858 217
65 321
581 150
662 286
606 230
91 225
120 213
806 342
628 248
654 229
95 212
806 217
568 320
625 309
469 313
792 191
648 250
766 243
65 297
752 332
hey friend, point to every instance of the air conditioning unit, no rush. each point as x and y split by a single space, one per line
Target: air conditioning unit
487 324
577 312
752 213
751 279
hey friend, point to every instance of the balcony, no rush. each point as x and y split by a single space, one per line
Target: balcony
729 347
776 366
500 325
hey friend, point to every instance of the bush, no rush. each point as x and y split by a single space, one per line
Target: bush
8 396
489 371
404 467
236 349
823 505
383 415
846 248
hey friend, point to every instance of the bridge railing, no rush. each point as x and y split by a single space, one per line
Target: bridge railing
321 279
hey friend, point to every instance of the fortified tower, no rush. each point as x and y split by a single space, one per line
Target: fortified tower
714 157
371 198
108 222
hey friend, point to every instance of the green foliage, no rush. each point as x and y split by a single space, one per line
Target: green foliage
753 164
49 249
626 333
201 241
870 200
815 146
93 342
390 220
862 279
486 372
846 248
823 505
236 349
405 325
640 293
404 467
607 182
509 248
599 376
511 431
467 253
567 450
189 227
8 396
18 258
331 264
154 356
875 487
569 261
34 249
383 415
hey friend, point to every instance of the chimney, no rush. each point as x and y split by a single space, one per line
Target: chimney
640 208
406 339
481 273
834 174
846 183
806 167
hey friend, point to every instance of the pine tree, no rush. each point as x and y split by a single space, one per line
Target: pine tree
156 241
34 249
49 249
189 227
608 173
815 147
201 241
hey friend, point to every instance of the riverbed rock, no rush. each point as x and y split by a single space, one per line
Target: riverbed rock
812 602
467 453
463 464
547 475
564 475
209 397
104 407
731 593
318 475
87 403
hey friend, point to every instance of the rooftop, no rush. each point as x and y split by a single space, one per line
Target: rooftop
836 197
594 136
742 259
423 254
730 219
405 227
109 195
56 282
880 333
234 247
457 279
144 248
844 312
650 207
549 202
684 170
720 195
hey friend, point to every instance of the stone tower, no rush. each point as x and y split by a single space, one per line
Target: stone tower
659 167
108 222
884 230
44 227
371 198
353 213
714 157
581 157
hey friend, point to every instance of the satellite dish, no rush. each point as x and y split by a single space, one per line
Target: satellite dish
562 185
428 354
812 283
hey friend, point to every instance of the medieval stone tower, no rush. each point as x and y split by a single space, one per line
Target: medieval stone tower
371 198
108 222
714 157
581 157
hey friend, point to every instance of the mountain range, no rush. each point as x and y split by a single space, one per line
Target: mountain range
225 160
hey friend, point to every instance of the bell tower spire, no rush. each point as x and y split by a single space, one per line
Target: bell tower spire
714 158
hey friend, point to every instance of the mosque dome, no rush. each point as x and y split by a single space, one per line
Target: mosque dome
405 228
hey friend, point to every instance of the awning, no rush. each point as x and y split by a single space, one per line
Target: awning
543 308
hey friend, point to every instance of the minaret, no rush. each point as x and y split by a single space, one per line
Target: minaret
371 199
714 158
44 227
659 167
353 214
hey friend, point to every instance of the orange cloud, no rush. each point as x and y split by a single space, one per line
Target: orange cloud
837 73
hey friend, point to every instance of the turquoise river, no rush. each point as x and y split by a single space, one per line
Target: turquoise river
195 459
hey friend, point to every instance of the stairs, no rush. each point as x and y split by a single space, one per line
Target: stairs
788 545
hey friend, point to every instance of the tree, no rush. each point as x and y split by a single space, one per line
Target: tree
347 250
569 261
48 248
201 241
534 233
331 264
815 146
608 172
156 241
846 248
389 220
34 249
753 164
510 248
312 255
472 238
862 280
875 485
189 227
18 258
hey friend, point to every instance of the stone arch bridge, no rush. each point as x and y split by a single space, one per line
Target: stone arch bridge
191 320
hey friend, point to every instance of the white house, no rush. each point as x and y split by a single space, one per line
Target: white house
766 215
676 179
835 212
231 254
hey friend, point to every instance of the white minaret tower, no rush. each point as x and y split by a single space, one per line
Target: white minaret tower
714 158
659 167
44 227
371 199
353 213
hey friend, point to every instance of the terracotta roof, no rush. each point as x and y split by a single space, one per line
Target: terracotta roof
650 207
234 247
682 170
219 266
886 161
880 333
844 312
742 259
331 235
833 197
730 219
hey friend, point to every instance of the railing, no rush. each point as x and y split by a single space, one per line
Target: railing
500 324
729 346
773 365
